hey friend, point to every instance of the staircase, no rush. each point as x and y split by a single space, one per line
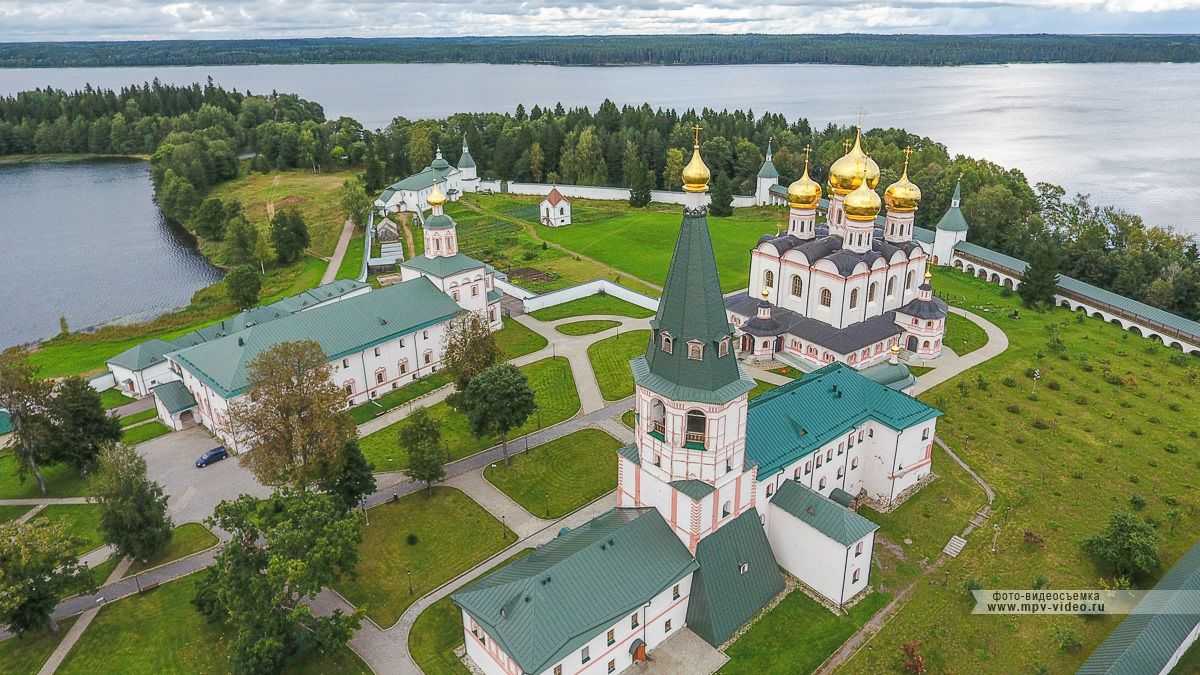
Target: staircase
954 546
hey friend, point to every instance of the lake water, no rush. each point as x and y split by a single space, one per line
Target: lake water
86 241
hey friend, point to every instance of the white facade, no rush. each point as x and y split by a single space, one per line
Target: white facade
663 616
835 571
555 210
411 194
138 383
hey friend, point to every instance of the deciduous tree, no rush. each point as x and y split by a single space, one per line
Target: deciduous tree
209 219
27 399
422 440
1129 545
38 567
354 200
469 348
133 508
243 285
497 401
293 415
289 234
81 426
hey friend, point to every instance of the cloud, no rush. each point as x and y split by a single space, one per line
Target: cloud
23 20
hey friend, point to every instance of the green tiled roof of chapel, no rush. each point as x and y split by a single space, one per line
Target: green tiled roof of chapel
549 604
768 169
443 266
792 421
824 515
953 219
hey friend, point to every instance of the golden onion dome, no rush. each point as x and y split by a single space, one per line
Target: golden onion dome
804 193
436 197
696 174
862 205
848 172
903 195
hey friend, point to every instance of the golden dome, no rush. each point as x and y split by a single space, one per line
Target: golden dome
696 174
846 174
903 195
436 198
862 205
804 193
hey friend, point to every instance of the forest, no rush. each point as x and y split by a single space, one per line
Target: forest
850 49
196 134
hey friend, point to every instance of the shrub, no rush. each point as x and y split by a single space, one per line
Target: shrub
1134 479
1154 420
1081 400
1171 448
411 539
981 383
1041 424
1174 406
1087 367
1137 431
1041 581
1032 538
1054 385
1009 381
1138 502
971 585
1078 475
1066 638
1032 397
1014 409
914 663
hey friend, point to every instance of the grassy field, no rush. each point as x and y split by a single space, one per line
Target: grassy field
186 539
962 335
918 371
796 636
629 419
555 478
517 339
144 432
761 387
113 398
8 513
135 418
554 391
610 361
398 397
171 637
61 481
352 262
438 631
82 521
417 543
589 327
593 304
25 655
1110 420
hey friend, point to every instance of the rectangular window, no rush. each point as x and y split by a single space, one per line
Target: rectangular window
612 637
401 342
377 351
379 377
425 334
858 549
633 620
667 626
345 363
796 473
612 666
584 656
675 592
821 486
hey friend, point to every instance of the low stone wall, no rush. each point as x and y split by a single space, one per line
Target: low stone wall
595 192
597 287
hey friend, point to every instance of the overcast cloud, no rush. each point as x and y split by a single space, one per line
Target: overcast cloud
27 20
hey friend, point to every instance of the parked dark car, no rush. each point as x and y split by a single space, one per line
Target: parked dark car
214 455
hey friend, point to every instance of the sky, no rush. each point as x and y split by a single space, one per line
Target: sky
35 20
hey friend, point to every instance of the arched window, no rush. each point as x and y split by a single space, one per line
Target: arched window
769 279
658 417
826 297
854 298
723 349
726 509
872 291
428 357
696 425
853 359
797 285
908 281
770 489
667 342
891 287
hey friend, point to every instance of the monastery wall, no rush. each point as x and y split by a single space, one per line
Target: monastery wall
595 192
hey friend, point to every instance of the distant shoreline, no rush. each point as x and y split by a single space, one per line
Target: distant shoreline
64 158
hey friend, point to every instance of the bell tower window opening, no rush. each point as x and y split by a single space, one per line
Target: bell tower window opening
769 279
658 417
667 342
695 350
697 425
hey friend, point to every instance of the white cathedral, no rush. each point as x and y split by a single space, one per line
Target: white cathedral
719 496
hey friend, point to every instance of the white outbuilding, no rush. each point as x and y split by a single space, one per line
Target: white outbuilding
555 209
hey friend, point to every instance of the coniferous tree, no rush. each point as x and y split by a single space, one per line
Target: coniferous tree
1040 281
639 191
352 479
81 426
721 196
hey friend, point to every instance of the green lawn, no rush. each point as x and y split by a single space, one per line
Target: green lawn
629 419
8 513
797 636
788 371
610 361
25 655
517 339
144 432
601 304
352 262
81 521
160 631
587 327
554 392
61 481
186 539
438 631
640 241
142 416
450 534
555 478
398 397
1189 664
962 335
918 371
113 398
1113 416
761 387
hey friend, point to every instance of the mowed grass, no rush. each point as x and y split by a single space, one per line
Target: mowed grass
140 416
1114 416
586 327
797 635
761 387
610 362
398 397
186 539
352 262
160 631
516 339
81 522
144 432
555 478
438 631
962 335
554 392
113 398
640 242
8 513
449 534
25 655
599 304
61 480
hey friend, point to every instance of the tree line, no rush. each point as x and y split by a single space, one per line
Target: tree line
854 49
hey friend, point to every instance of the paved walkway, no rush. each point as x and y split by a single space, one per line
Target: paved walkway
997 342
500 505
43 501
144 403
339 252
76 631
401 411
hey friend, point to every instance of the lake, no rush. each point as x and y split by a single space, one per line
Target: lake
86 241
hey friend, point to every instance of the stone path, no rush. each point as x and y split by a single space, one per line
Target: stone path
511 514
43 501
997 342
144 403
401 411
76 631
339 252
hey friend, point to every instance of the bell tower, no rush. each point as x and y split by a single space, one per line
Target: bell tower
441 232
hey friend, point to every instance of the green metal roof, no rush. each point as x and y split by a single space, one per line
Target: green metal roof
494 295
342 328
724 598
550 603
923 235
1146 642
995 257
692 309
897 375
442 266
768 169
5 422
953 219
696 489
174 396
144 355
842 497
824 515
465 160
677 392
423 179
631 453
438 222
791 421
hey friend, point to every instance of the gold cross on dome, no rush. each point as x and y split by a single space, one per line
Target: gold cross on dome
845 145
907 151
696 134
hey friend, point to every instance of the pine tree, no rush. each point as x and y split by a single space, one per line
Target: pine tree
1040 280
639 192
352 480
722 196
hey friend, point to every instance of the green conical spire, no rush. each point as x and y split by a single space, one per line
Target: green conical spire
953 220
692 311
